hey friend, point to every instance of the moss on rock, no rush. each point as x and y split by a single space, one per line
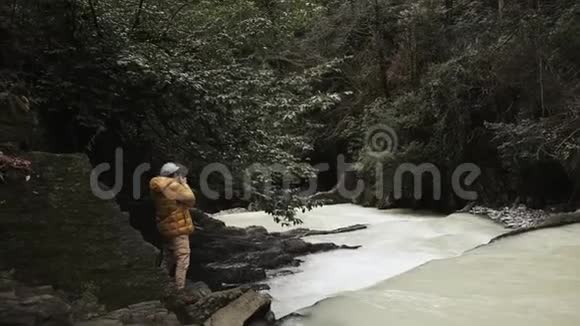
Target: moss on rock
54 230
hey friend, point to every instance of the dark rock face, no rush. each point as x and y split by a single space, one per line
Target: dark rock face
31 306
235 272
222 255
22 305
53 230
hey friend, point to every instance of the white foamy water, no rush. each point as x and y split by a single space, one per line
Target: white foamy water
395 241
531 279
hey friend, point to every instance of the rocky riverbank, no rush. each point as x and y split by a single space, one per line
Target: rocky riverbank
24 305
521 218
78 261
225 256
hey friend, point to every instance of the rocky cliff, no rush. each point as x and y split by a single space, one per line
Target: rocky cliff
53 230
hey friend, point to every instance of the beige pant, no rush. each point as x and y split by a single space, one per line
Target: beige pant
176 253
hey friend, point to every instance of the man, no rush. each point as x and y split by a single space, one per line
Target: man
173 198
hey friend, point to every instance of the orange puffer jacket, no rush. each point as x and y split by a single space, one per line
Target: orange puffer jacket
173 218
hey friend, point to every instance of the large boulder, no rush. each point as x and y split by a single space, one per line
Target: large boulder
250 305
228 308
54 230
199 311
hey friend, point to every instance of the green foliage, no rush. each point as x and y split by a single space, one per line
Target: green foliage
269 81
197 82
464 85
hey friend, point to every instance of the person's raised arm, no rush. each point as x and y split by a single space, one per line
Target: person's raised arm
180 192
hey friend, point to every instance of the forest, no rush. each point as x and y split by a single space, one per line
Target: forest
289 162
296 83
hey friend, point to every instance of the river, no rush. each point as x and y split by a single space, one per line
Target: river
394 242
527 280
417 269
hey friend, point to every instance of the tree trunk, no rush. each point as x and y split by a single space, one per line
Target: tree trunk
540 61
72 17
448 9
541 83
138 14
380 46
13 14
94 16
